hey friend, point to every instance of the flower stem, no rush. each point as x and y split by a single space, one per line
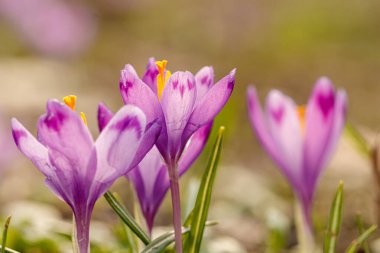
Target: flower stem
81 233
176 204
304 229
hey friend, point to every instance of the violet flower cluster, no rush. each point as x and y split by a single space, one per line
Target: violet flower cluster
181 103
162 129
171 113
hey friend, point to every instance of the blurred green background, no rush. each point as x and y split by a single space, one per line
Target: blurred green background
286 45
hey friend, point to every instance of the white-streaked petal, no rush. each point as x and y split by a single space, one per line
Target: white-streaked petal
118 142
178 99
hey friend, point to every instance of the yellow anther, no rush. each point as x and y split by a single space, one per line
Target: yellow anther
162 77
301 110
70 101
83 116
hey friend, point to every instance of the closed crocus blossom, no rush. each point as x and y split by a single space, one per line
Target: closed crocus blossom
183 103
300 139
77 168
151 179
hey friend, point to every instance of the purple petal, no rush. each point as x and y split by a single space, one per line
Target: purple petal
151 182
178 99
194 148
104 116
151 134
150 76
39 156
136 92
118 142
31 148
211 104
203 80
325 118
63 131
285 128
260 125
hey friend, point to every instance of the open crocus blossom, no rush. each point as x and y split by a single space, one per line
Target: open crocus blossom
300 139
77 169
183 103
151 179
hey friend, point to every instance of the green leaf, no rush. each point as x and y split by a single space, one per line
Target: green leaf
162 242
126 217
202 204
361 144
359 222
131 240
8 250
361 239
335 221
5 233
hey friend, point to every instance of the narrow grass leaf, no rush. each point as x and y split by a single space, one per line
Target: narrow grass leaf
159 244
8 250
126 217
5 233
361 144
202 204
335 221
361 239
359 223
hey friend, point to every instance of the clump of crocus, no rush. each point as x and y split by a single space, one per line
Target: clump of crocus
183 103
300 139
77 168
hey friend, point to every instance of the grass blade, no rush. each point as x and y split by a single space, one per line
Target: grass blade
361 143
5 233
202 204
361 239
162 242
8 250
359 222
335 221
126 217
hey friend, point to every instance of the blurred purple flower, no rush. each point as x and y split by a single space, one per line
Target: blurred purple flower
151 179
53 27
300 140
183 102
77 169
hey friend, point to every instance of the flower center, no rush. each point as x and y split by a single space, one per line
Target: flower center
162 77
301 110
70 101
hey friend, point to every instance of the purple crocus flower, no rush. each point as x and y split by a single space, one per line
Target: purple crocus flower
77 168
300 139
183 103
151 179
